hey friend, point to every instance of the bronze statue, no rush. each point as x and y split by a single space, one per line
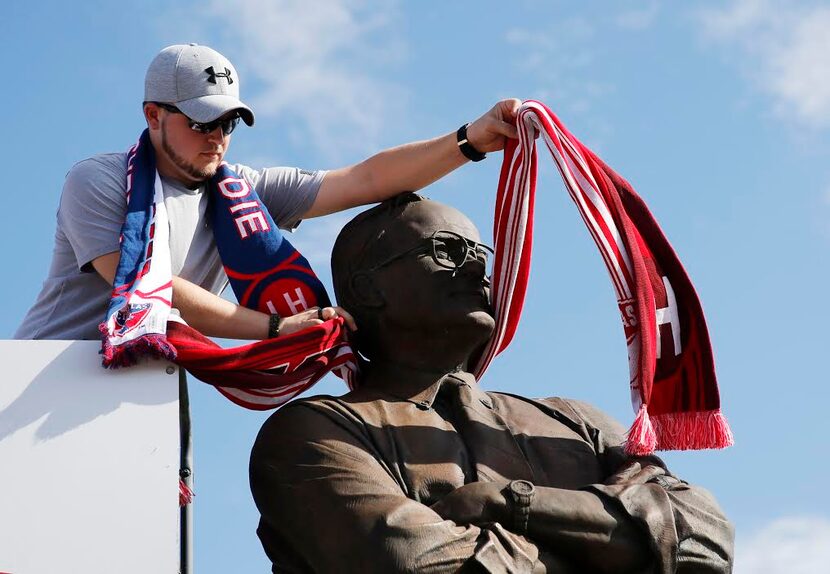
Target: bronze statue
419 470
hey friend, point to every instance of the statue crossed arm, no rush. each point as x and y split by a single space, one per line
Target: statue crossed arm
417 469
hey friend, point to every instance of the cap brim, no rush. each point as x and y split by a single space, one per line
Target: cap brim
207 108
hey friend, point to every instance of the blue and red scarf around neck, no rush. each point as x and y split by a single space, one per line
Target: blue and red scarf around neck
265 271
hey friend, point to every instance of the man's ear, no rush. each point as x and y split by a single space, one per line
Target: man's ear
365 292
151 114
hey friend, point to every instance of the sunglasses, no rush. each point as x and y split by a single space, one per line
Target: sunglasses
447 248
227 125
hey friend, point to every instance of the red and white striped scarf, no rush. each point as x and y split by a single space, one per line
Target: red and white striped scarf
266 374
673 383
672 375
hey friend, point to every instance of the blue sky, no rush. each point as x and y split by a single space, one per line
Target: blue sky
717 112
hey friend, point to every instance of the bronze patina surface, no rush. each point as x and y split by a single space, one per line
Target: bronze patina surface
411 472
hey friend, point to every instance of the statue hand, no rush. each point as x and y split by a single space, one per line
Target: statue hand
475 503
636 472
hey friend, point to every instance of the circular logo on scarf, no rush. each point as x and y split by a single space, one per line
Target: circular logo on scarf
288 297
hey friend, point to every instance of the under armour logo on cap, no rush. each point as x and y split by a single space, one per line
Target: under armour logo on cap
198 80
214 74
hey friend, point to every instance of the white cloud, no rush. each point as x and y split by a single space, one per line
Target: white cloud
790 545
561 61
316 239
821 216
639 17
786 51
315 63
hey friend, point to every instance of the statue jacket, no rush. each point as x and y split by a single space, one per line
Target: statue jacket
345 484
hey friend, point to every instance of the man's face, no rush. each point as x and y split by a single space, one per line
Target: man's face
419 292
192 156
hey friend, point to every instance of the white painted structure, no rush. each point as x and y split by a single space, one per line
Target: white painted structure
89 462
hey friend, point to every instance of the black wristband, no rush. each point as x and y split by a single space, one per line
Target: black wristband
468 150
274 326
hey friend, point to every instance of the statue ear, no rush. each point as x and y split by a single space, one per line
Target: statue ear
364 291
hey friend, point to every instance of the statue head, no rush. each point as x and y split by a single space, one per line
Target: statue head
413 274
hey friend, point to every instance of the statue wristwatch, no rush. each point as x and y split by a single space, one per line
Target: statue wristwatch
520 493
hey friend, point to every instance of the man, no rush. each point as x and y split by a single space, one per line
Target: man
191 105
419 470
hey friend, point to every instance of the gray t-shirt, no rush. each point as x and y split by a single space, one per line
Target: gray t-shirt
73 299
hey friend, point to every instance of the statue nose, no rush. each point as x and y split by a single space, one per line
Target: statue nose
474 265
478 258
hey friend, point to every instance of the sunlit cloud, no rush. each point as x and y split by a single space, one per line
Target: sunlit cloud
560 61
317 66
316 239
639 15
784 49
790 545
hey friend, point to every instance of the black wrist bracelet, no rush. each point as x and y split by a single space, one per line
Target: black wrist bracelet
466 148
274 326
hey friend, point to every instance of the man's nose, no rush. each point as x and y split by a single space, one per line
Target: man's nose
216 136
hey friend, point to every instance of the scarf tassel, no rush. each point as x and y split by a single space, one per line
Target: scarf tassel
642 439
185 493
678 431
129 353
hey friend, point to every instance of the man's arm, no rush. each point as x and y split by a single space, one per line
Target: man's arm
412 166
405 168
329 502
214 316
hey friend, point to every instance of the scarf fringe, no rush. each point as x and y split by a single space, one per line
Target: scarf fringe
131 352
186 494
699 430
642 439
678 431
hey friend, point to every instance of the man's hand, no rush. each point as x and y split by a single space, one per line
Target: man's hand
217 317
475 503
488 132
311 317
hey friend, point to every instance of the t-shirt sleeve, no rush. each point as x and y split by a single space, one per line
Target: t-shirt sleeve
287 192
92 209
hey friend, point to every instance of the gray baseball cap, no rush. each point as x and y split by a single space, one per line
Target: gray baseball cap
198 80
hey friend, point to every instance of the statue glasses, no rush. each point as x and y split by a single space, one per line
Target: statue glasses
447 248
